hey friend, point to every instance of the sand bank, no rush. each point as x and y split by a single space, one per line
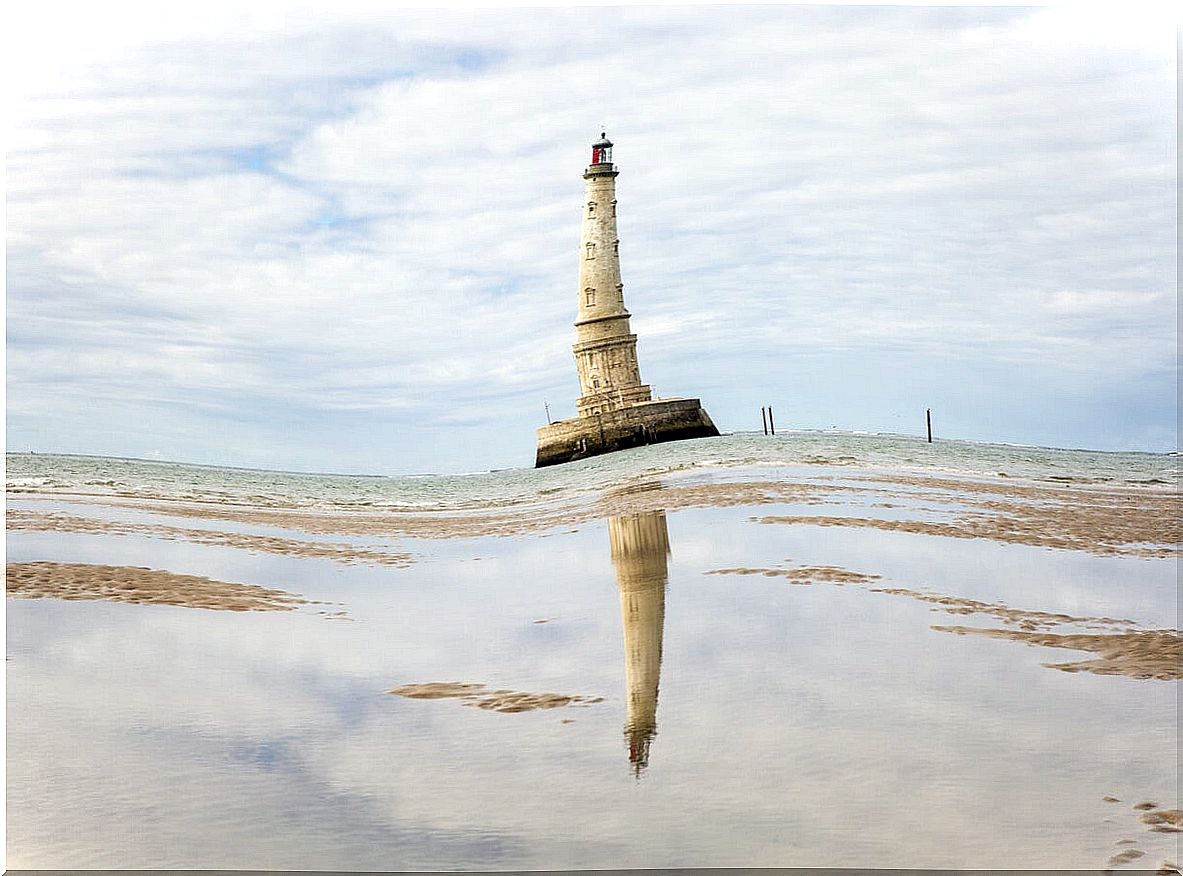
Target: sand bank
1160 821
518 520
804 574
1107 521
341 553
1025 619
493 700
1123 649
1104 521
1135 653
140 585
1163 816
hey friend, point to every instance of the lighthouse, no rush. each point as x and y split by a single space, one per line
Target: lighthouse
605 350
615 409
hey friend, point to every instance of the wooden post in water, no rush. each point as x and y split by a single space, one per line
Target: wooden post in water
764 420
771 423
928 417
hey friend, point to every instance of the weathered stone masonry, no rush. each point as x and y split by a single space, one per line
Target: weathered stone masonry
615 408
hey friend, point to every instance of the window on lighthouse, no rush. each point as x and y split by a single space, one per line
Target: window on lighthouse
589 296
591 250
591 208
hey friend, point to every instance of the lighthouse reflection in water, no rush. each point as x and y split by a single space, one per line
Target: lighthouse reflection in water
640 551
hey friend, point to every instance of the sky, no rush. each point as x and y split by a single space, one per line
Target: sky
346 240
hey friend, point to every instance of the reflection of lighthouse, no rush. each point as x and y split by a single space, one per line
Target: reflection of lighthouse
640 546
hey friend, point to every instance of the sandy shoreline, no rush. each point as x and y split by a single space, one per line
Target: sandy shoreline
35 521
140 586
1097 520
1106 521
506 701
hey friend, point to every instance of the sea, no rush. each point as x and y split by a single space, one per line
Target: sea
685 460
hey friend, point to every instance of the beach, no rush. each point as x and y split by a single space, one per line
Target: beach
803 651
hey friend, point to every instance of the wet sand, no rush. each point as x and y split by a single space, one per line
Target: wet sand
1026 619
1123 649
1163 816
503 521
1099 520
140 586
1156 654
1102 521
804 575
506 701
34 521
1159 821
1105 521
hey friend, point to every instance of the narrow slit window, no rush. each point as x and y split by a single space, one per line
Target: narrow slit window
589 296
591 250
591 208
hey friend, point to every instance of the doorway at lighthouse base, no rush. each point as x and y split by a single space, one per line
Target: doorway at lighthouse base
670 419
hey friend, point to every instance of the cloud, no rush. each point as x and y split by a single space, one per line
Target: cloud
376 213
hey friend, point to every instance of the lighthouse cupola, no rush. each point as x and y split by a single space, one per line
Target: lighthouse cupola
602 150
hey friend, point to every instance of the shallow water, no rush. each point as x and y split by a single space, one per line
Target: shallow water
33 472
744 721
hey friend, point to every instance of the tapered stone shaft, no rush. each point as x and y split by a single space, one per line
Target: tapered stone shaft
606 350
616 410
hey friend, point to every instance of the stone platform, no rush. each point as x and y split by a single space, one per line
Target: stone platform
653 422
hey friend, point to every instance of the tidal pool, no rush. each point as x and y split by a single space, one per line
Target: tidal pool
659 716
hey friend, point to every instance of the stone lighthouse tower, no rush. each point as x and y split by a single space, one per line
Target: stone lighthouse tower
615 409
605 352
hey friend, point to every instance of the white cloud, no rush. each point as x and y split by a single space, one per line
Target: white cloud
377 211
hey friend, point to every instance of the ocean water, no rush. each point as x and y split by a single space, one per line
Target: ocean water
139 478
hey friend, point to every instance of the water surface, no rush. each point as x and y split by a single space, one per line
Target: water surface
744 720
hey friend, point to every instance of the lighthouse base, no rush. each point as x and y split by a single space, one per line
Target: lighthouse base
653 422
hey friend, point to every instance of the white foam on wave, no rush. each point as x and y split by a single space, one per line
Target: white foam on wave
28 482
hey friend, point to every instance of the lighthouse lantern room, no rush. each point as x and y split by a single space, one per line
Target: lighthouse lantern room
602 150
